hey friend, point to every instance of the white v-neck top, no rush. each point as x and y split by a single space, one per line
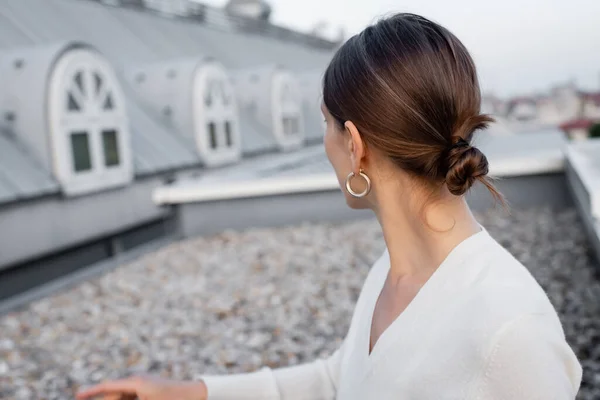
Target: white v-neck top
481 328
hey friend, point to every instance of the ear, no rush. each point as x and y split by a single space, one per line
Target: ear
356 147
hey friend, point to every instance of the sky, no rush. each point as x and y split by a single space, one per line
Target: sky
520 46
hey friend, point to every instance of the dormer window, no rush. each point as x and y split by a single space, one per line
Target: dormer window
196 97
110 144
228 133
271 97
291 116
80 147
82 102
287 106
219 127
89 128
216 120
212 135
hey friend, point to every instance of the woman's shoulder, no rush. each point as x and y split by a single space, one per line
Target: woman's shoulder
504 278
507 292
493 288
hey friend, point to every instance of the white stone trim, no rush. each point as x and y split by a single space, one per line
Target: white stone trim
536 163
210 190
243 189
584 157
211 80
92 118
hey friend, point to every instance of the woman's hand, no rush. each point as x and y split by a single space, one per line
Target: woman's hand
146 388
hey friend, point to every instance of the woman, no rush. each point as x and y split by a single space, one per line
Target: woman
446 312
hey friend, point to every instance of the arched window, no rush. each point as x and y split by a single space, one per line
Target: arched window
215 116
88 124
290 115
287 108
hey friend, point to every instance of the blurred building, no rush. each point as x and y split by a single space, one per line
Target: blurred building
256 9
564 106
124 122
101 102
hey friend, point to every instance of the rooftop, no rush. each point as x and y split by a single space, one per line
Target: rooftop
148 51
192 165
537 152
279 297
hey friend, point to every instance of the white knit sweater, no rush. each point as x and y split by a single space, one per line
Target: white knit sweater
480 328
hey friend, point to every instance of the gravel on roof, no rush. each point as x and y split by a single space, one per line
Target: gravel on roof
236 301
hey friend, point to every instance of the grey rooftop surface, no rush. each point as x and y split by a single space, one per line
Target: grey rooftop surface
130 38
541 151
308 169
240 300
156 148
21 177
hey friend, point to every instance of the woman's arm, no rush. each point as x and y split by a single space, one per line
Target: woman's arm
530 360
317 380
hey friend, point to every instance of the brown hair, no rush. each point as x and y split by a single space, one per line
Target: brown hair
411 88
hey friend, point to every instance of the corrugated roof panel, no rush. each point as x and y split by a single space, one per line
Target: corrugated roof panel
163 36
314 130
97 24
38 22
234 50
10 35
21 175
311 161
308 160
156 148
7 191
175 38
127 36
241 51
255 139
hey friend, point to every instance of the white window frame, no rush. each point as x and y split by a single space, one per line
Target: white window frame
212 80
286 103
92 118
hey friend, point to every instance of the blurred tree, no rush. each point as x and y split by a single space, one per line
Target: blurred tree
595 130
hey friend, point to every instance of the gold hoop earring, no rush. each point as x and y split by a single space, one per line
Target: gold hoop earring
349 188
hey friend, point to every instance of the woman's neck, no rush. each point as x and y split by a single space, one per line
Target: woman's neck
419 238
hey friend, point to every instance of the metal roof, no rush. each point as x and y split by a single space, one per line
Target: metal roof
523 145
129 37
309 170
21 176
255 138
155 147
314 124
308 160
545 149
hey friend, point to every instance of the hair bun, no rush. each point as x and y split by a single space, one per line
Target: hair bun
466 164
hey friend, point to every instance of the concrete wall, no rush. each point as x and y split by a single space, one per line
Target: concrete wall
215 216
211 217
33 229
32 234
546 190
30 230
581 198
